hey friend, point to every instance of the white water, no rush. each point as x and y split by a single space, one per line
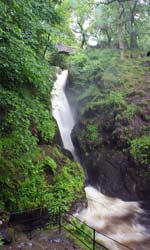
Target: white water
109 216
116 219
62 112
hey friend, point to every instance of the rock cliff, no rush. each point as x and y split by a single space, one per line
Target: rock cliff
112 133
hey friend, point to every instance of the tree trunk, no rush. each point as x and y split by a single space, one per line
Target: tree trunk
46 46
133 40
133 34
109 39
120 40
120 30
83 41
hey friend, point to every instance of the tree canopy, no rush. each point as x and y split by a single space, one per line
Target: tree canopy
118 23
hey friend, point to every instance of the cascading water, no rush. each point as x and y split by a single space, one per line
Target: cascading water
62 112
117 219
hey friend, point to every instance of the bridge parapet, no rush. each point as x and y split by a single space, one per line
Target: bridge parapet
64 49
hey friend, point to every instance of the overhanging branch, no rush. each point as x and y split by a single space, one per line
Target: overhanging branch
108 2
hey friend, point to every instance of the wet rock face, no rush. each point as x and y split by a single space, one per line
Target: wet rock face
67 153
106 157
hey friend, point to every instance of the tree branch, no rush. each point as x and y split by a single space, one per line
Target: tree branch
75 31
109 2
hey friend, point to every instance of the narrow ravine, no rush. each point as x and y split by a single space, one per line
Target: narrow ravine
121 221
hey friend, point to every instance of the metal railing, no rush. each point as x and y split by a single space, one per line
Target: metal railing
94 244
76 231
41 217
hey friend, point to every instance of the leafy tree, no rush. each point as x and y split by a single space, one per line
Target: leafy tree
26 78
81 17
62 30
115 23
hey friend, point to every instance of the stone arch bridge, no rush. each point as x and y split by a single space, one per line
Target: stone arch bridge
64 49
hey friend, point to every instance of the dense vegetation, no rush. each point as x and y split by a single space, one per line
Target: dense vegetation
112 96
26 79
101 80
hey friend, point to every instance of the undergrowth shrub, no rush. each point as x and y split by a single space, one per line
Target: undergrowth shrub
140 150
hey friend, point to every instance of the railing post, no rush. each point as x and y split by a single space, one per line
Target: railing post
93 239
59 220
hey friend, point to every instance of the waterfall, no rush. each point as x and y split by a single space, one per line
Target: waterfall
62 112
125 222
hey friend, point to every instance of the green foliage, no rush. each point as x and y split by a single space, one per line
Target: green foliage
67 185
26 186
2 205
78 60
26 79
81 231
118 117
57 59
104 20
1 242
92 130
82 234
100 78
131 111
48 161
114 100
123 73
43 121
140 150
34 191
113 94
23 41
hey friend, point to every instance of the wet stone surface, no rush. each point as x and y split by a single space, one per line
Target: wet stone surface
42 240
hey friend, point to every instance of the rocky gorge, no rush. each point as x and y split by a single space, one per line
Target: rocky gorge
113 118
